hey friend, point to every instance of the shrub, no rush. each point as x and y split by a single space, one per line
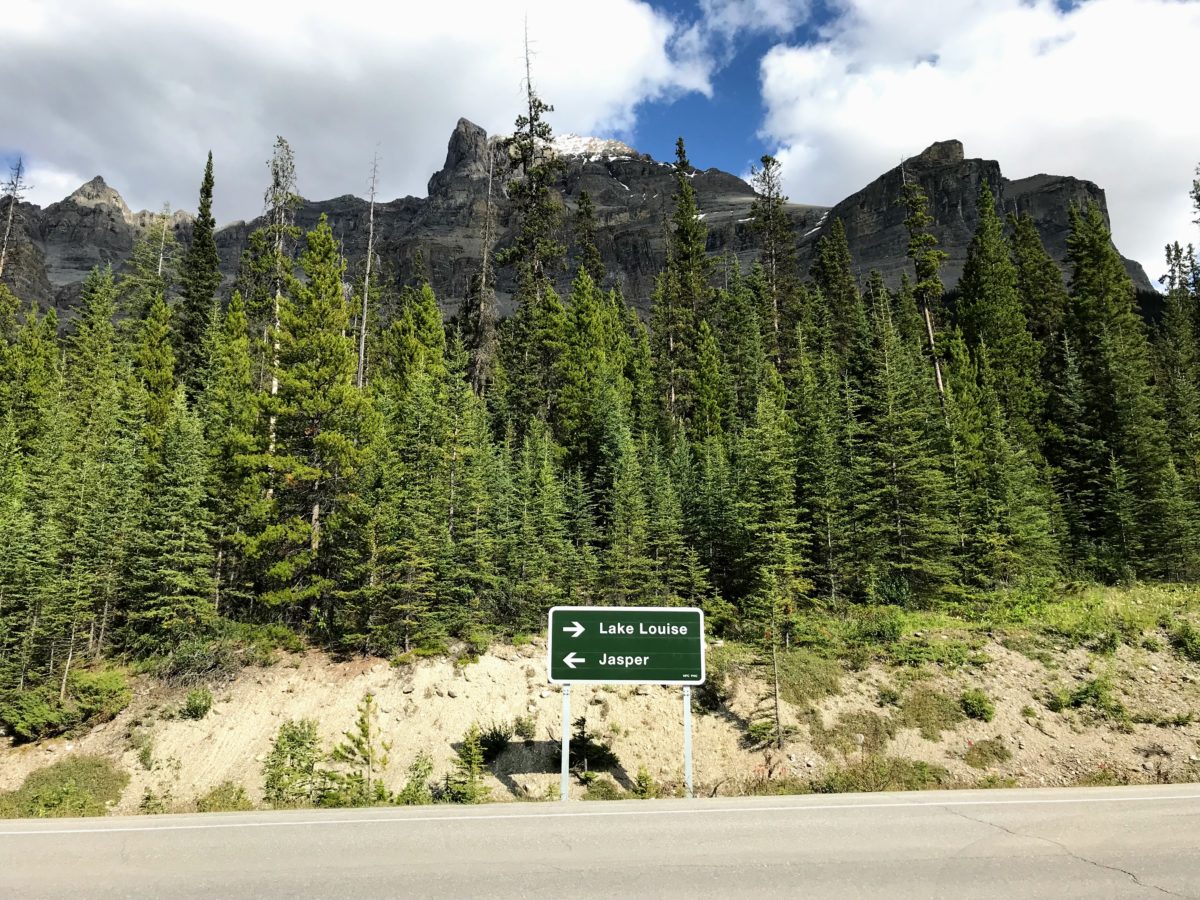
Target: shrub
76 786
977 705
603 788
879 625
804 677
416 789
645 787
92 698
35 714
588 751
465 785
363 758
290 776
154 804
888 696
225 797
99 695
525 728
494 740
931 712
199 701
881 773
1185 638
987 752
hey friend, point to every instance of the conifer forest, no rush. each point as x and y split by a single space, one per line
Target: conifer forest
315 451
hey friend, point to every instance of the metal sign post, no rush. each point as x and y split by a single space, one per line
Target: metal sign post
625 645
564 787
687 739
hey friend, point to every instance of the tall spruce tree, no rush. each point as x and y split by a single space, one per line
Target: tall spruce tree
200 277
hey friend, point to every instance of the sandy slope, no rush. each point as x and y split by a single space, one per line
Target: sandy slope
428 706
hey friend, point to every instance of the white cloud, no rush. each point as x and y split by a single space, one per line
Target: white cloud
139 90
1102 91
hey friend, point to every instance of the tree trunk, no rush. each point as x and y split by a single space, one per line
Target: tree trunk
62 691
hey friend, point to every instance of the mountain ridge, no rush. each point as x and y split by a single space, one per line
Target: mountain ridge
632 195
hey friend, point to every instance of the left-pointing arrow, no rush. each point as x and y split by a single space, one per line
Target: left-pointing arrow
571 659
574 628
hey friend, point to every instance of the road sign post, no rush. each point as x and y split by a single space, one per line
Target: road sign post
626 645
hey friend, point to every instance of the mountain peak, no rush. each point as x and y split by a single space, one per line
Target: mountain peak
98 193
584 145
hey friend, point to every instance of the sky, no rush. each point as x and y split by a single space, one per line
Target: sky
839 90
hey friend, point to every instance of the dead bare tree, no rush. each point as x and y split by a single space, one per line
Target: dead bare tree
362 325
14 192
280 201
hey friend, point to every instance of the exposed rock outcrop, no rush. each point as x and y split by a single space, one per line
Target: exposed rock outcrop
633 197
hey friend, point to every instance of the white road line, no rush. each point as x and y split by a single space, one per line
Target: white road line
400 820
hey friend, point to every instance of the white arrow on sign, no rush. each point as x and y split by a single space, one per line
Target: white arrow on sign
570 659
575 628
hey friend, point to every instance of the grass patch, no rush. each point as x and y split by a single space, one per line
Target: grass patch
774 787
882 773
92 697
1185 639
805 677
602 787
77 786
986 753
875 731
931 712
199 701
1102 777
225 797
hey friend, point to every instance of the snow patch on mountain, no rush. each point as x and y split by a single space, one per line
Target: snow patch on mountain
592 147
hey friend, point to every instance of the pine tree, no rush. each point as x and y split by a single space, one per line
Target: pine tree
849 333
682 297
585 238
173 554
228 411
322 425
777 257
627 565
154 362
200 277
907 535
990 313
1115 364
927 260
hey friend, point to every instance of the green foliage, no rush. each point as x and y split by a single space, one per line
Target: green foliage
881 773
1185 638
494 740
199 701
1095 694
987 752
76 786
225 797
465 784
602 787
361 759
525 727
644 786
931 712
804 677
416 790
290 774
91 698
589 751
977 705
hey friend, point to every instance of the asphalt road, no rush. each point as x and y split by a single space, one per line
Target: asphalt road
1090 842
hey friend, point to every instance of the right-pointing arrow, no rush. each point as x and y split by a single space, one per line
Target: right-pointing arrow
574 628
571 659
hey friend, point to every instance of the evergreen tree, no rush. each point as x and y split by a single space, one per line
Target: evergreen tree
832 270
200 277
927 260
173 555
154 362
777 257
322 436
990 313
585 238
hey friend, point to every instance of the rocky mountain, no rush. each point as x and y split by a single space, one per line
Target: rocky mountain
632 193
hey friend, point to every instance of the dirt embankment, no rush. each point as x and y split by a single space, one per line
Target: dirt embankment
1126 717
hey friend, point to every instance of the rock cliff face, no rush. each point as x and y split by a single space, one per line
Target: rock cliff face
632 193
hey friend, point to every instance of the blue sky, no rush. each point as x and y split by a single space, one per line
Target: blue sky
139 90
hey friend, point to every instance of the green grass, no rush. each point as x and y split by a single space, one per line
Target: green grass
977 705
804 677
882 773
76 786
876 731
931 712
225 797
986 753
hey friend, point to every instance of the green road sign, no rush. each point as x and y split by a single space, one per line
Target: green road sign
626 644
